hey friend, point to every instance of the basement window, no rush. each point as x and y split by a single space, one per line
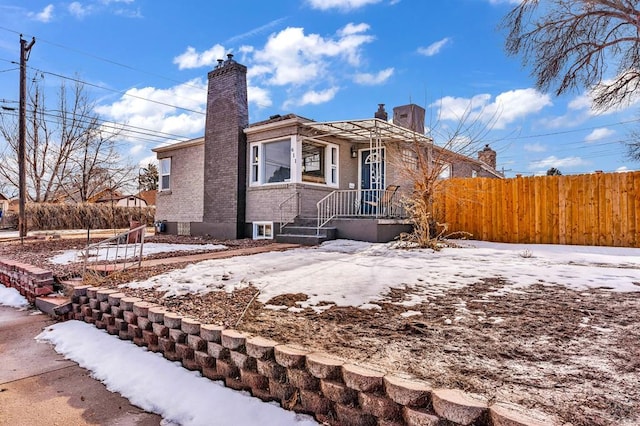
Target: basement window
262 230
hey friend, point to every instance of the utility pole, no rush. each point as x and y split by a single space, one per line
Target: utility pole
25 49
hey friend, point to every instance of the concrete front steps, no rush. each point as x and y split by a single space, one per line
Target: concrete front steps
305 232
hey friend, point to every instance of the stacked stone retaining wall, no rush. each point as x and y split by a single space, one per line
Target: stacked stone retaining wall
333 390
29 280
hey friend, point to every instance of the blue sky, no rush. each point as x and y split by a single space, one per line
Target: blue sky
145 63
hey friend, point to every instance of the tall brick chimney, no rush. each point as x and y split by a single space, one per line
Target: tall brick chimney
488 156
225 144
410 117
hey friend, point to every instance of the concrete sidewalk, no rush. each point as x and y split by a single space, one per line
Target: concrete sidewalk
39 387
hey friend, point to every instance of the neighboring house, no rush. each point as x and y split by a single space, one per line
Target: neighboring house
269 177
121 200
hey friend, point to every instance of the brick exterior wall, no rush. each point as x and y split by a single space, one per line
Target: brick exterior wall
184 202
225 155
263 202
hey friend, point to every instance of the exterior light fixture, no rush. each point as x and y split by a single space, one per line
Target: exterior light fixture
354 151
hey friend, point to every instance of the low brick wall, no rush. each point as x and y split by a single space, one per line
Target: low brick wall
333 390
29 280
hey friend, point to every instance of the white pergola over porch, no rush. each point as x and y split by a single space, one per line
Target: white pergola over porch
373 133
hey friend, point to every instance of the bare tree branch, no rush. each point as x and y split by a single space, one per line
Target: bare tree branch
572 43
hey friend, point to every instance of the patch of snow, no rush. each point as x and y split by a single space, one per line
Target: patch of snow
12 298
408 314
354 273
153 383
128 251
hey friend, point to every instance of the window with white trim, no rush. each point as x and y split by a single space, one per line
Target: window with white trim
164 177
445 170
262 230
283 161
409 159
271 162
333 178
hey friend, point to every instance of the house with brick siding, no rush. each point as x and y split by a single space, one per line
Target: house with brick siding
292 178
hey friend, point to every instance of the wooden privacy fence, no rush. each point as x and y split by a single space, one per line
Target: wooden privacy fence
601 209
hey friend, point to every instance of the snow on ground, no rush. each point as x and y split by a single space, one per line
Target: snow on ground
154 383
12 298
351 273
130 250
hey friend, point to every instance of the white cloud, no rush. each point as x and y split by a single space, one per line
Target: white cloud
434 48
343 5
135 110
369 79
129 13
534 147
151 159
258 96
136 149
553 161
46 15
78 10
313 97
623 169
292 57
256 31
192 59
584 102
506 108
598 134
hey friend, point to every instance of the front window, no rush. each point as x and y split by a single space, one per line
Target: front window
313 163
276 162
165 174
288 160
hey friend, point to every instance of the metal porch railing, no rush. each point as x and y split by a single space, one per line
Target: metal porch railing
289 209
116 253
365 203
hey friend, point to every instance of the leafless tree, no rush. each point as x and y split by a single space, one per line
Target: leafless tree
574 44
70 152
428 166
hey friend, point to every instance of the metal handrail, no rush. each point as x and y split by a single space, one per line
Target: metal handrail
118 242
284 221
368 203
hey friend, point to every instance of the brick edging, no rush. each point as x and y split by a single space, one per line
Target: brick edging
31 281
334 390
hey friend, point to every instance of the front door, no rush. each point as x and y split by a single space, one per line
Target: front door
372 168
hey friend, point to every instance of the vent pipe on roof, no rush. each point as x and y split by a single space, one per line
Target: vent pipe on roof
220 61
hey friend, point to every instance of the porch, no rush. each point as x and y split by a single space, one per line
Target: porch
371 215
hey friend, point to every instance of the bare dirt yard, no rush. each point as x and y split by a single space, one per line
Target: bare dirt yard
572 354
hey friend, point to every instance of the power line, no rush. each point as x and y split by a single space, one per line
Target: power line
114 128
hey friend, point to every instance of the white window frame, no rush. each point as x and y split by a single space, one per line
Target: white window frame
256 172
266 233
331 163
162 174
334 169
445 170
